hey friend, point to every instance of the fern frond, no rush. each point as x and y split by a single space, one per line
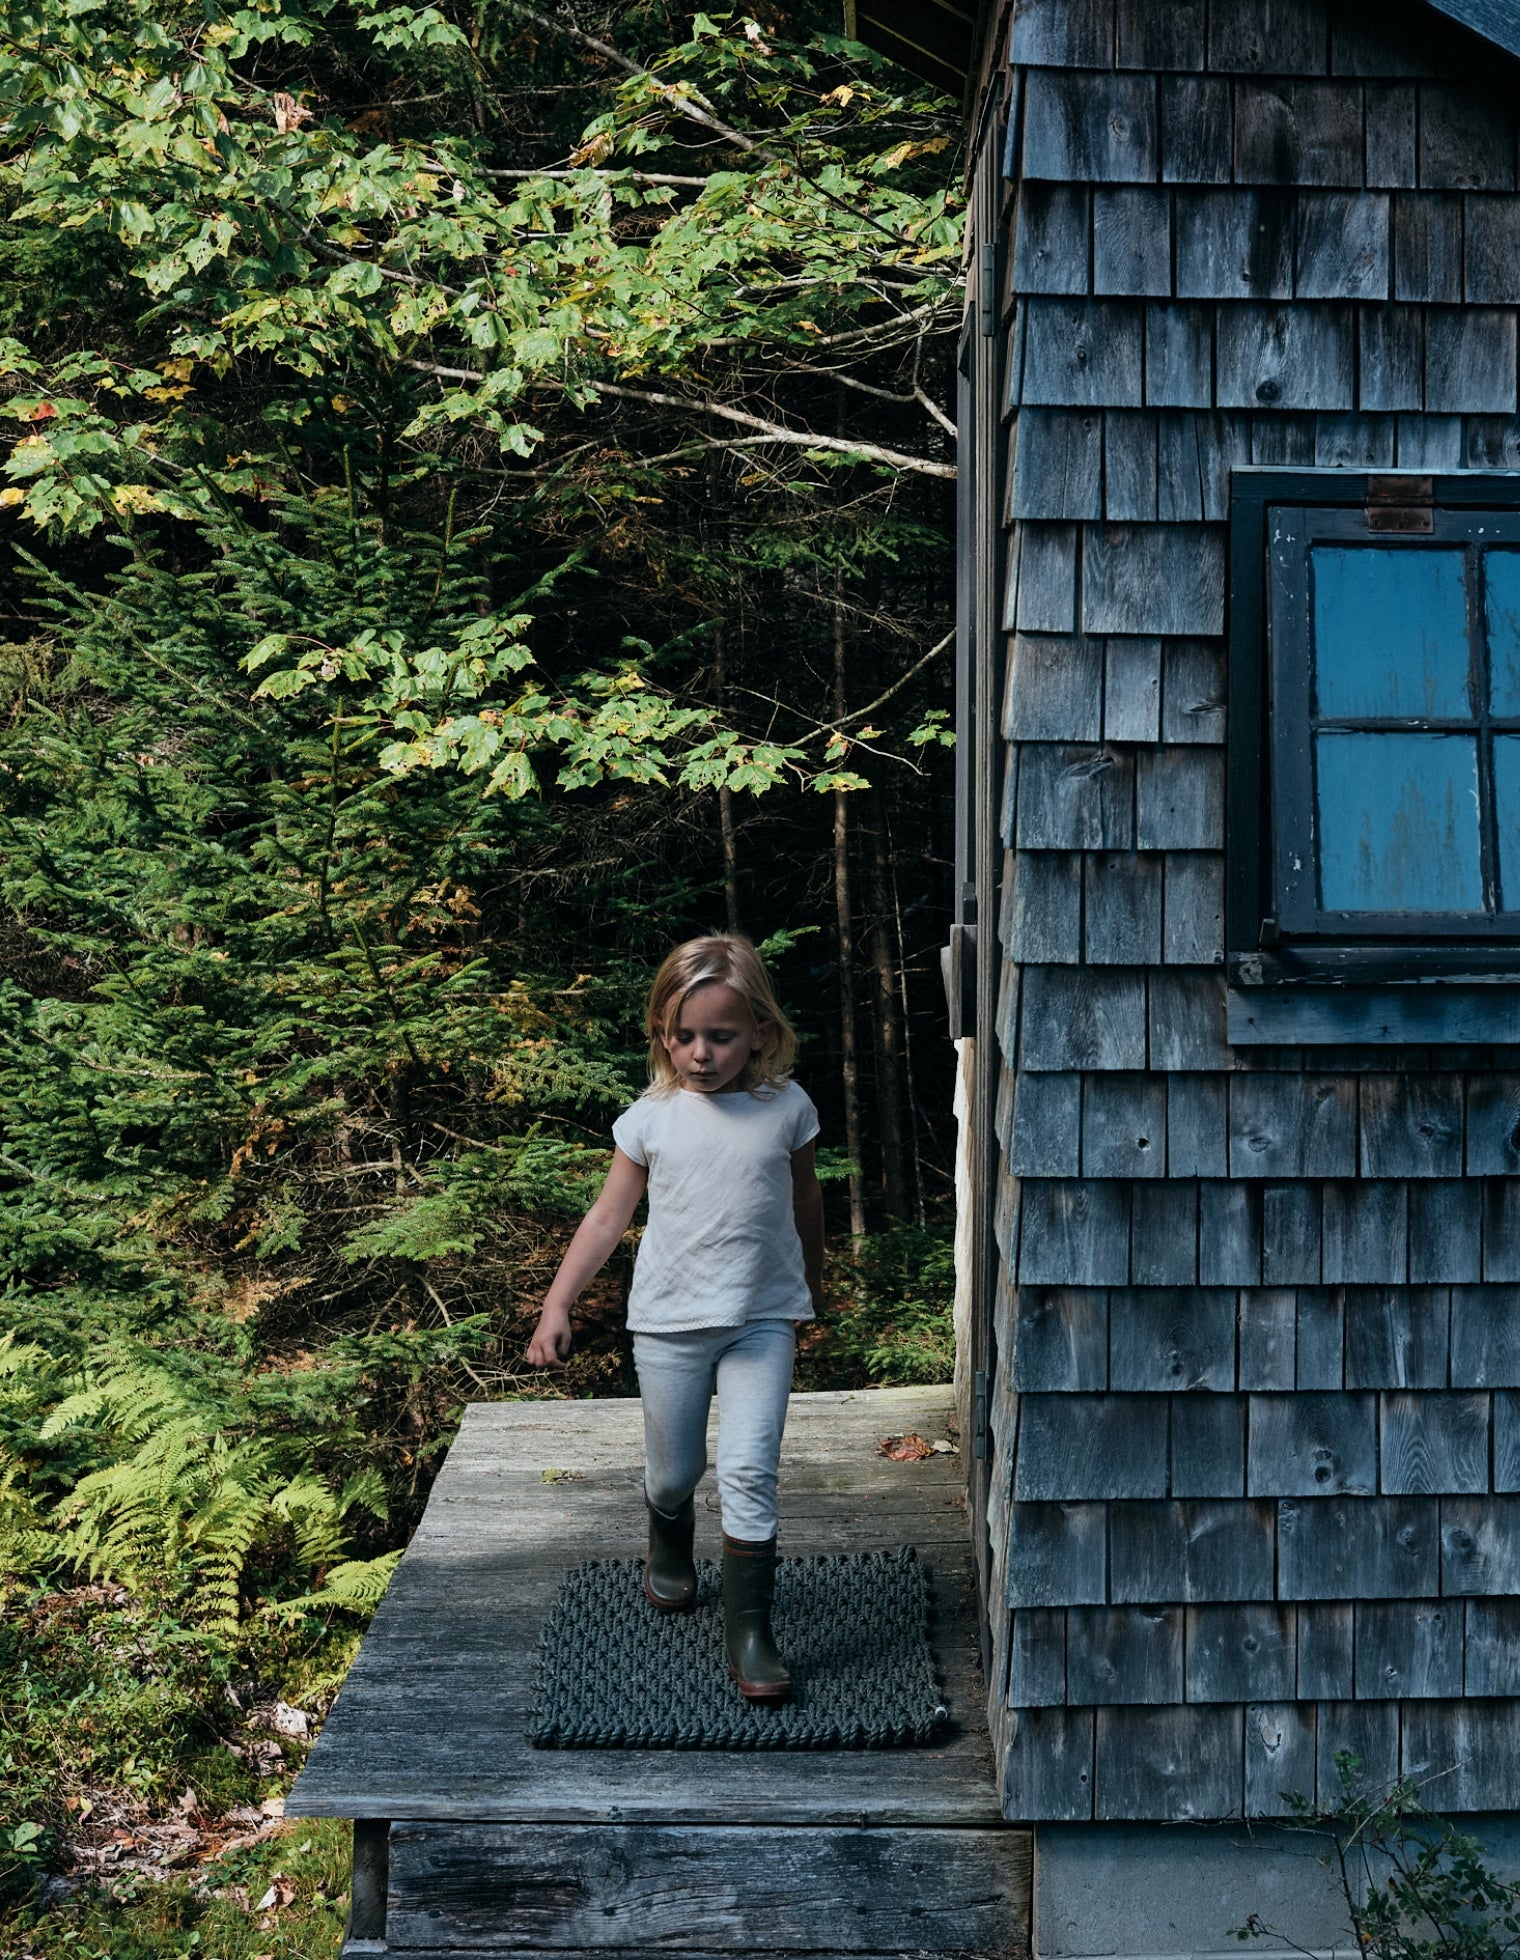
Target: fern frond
73 1410
19 1357
367 1489
358 1586
190 1499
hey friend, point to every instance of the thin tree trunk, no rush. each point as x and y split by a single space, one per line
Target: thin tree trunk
907 1027
725 795
887 1021
849 1059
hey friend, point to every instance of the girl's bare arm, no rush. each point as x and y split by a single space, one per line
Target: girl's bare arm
807 1209
596 1239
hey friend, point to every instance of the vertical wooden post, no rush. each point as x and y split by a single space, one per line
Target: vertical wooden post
365 1932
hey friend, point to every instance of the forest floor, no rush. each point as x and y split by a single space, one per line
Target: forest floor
144 1766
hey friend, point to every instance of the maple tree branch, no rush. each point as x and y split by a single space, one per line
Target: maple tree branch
314 242
693 106
690 103
897 686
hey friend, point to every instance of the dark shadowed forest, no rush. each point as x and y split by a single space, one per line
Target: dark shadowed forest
479 509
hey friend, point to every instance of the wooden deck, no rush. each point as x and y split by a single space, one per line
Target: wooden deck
425 1745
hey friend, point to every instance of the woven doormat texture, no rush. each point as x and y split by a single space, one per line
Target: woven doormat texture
854 1631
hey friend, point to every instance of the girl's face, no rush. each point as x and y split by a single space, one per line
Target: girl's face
710 1037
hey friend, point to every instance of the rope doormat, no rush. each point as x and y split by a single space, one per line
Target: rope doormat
615 1674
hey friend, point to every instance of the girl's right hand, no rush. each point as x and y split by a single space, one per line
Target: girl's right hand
551 1339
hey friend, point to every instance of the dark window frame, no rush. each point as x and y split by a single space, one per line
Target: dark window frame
1259 952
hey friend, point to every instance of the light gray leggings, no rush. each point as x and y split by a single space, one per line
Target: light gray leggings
751 1369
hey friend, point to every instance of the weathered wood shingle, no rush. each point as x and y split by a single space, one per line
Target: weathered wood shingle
1058 464
1092 129
1197 129
1260 1307
1297 356
1234 244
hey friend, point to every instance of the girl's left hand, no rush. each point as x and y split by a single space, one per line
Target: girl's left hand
551 1340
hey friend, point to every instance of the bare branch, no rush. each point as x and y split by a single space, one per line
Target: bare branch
898 685
567 176
896 324
765 431
659 177
860 714
935 410
775 432
886 395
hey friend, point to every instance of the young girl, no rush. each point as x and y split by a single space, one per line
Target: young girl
731 1260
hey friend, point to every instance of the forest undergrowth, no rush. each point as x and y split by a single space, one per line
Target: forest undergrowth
145 1756
478 487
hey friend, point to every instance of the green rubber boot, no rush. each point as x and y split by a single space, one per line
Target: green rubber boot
749 1592
670 1573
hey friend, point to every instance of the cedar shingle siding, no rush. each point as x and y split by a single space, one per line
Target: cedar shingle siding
1256 1420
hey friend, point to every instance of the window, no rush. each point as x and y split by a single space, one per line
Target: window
1374 730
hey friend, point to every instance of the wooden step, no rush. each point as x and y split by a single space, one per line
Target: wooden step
361 1950
710 1890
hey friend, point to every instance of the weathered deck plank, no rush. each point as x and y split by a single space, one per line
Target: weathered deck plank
540 1888
430 1723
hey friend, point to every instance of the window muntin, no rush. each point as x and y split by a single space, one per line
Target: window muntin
1395 727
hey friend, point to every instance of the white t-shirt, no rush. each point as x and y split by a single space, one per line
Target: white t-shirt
721 1245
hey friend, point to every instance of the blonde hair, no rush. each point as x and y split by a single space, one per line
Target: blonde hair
731 958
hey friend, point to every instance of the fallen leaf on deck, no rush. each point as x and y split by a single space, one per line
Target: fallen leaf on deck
905 1449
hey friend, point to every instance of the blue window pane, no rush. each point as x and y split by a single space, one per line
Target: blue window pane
1398 823
1390 631
1507 817
1502 577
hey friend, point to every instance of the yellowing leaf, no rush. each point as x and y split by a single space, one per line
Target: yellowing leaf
911 1448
